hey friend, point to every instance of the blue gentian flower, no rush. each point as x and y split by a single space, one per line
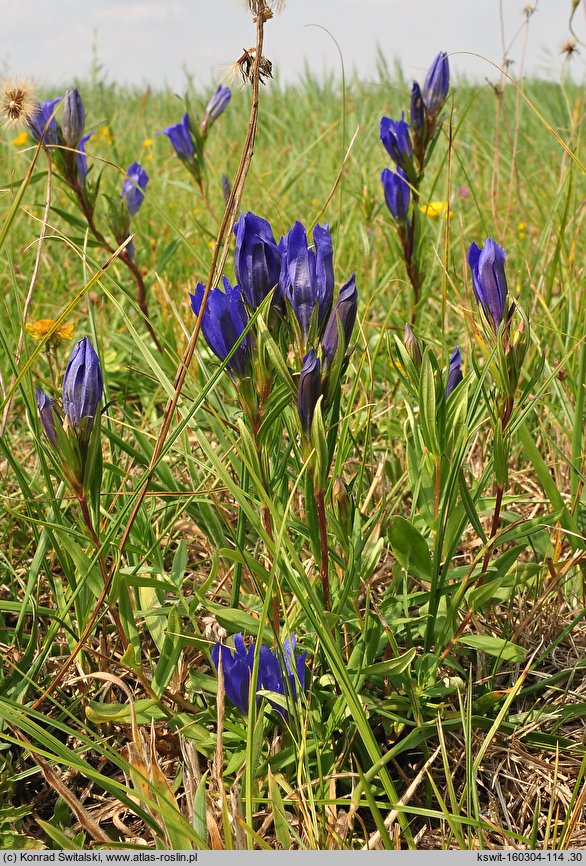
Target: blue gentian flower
437 84
133 187
257 259
309 389
455 374
237 668
216 106
81 158
73 119
41 118
489 280
181 139
397 193
307 276
47 414
82 385
223 322
394 135
343 310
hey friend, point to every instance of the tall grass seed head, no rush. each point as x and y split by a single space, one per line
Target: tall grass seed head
18 103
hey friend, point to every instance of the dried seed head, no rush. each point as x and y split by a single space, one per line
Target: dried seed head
245 65
264 7
17 102
569 48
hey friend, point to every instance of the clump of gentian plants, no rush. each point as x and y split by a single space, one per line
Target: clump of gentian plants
65 142
410 145
280 321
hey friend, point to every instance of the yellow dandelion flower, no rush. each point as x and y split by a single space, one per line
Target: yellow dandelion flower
20 139
148 142
436 209
39 329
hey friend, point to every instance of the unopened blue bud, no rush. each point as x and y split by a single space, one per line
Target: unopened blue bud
455 374
73 119
309 389
344 311
257 259
216 106
82 385
489 280
397 193
133 187
437 83
47 415
181 139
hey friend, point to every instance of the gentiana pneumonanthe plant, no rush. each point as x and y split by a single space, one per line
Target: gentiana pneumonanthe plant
410 145
64 141
189 139
289 289
73 430
503 334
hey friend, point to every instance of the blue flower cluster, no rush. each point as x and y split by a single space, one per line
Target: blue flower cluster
301 278
406 143
274 675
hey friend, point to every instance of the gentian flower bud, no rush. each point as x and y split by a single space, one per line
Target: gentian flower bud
417 110
73 120
309 389
344 310
397 193
489 281
413 347
394 135
455 374
133 187
216 106
257 259
181 139
41 118
307 276
236 669
47 415
223 322
82 385
437 84
81 158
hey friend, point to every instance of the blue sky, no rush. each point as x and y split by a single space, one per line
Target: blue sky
158 42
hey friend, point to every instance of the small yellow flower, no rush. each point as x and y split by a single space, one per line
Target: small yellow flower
39 329
20 140
522 232
105 134
148 142
436 209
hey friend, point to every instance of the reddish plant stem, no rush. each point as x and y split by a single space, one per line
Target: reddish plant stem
323 533
141 294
